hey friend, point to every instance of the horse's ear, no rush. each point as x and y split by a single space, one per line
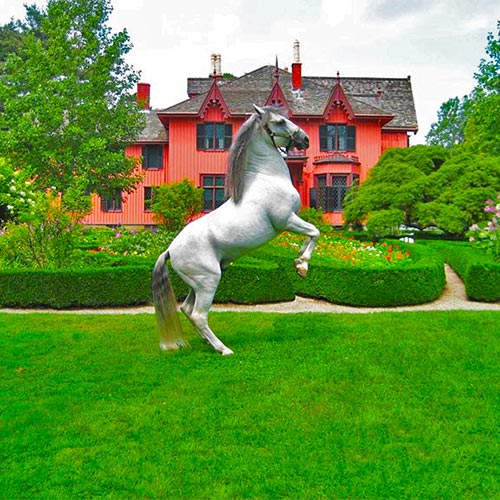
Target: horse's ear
258 110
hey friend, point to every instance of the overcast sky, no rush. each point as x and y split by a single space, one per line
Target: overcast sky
439 43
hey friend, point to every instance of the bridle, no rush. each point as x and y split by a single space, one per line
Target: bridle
272 135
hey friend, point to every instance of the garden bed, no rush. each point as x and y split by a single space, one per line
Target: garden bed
266 276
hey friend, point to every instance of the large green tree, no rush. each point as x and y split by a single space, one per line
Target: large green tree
425 186
68 108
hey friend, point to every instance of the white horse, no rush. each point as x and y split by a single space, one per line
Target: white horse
262 203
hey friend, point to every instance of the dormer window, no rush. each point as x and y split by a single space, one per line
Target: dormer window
337 137
214 136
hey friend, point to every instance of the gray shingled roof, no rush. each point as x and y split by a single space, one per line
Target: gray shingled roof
154 131
367 96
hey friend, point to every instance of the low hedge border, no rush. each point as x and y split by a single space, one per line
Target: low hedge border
246 282
265 277
66 288
479 272
359 286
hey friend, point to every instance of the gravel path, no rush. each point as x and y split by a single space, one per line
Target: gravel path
453 298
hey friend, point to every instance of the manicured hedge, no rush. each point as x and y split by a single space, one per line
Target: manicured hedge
268 277
248 281
361 286
479 272
66 288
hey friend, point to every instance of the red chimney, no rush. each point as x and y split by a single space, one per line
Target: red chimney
296 67
143 91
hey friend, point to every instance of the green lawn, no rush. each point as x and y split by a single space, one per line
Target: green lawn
389 405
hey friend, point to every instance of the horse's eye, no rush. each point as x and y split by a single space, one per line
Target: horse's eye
281 121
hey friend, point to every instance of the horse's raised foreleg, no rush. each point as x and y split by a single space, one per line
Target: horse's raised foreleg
299 226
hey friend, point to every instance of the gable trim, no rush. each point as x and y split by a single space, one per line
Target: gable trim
338 99
214 97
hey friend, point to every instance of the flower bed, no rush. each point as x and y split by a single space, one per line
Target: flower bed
364 274
343 271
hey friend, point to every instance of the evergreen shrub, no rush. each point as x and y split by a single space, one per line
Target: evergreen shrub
362 286
248 281
477 269
66 288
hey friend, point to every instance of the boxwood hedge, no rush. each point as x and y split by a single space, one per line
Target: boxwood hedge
268 276
479 272
247 281
384 286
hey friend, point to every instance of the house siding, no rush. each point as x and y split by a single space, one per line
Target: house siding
176 129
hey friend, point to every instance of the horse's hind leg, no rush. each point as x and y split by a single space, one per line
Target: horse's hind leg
197 305
188 304
199 318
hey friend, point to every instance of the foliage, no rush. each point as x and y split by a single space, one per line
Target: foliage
449 130
68 112
346 271
175 204
477 269
385 222
425 187
316 217
482 130
488 76
10 39
44 237
473 120
338 248
487 235
392 405
16 191
125 241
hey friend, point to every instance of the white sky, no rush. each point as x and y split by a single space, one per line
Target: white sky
438 42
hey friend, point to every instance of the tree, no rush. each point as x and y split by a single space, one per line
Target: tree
488 76
449 130
482 130
473 120
396 184
425 186
68 108
175 204
12 33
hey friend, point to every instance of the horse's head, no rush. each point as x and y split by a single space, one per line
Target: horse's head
283 132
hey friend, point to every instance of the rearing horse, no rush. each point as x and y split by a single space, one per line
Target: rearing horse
262 203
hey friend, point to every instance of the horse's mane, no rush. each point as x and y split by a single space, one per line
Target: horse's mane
237 161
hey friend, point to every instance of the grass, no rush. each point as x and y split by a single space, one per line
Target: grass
390 405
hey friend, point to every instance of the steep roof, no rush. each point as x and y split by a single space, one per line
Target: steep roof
154 131
391 98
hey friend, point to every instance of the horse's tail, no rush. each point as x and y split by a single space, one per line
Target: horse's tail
169 323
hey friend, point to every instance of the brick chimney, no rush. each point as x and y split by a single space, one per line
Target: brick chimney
143 93
296 67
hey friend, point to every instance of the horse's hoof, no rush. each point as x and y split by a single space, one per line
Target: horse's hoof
226 351
171 346
302 272
301 268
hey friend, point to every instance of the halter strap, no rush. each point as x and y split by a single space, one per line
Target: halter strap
272 135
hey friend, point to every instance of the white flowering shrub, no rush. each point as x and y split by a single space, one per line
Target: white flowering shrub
16 191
